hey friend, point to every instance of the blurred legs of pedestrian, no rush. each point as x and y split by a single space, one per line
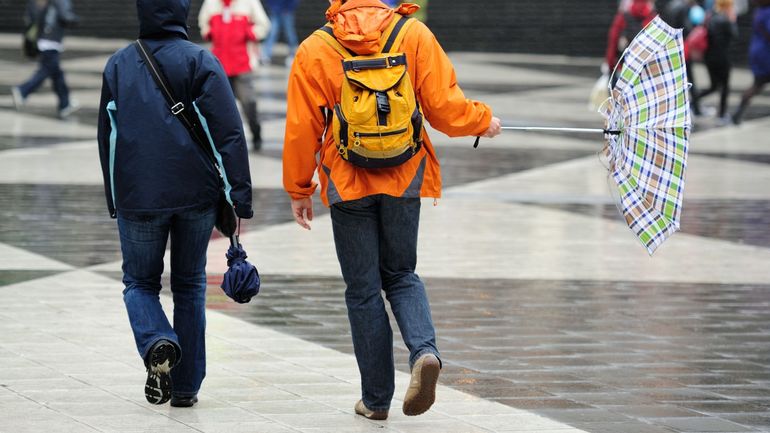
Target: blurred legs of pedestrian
48 67
694 99
243 88
280 21
719 72
143 243
754 90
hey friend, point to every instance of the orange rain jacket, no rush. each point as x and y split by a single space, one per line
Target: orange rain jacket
315 84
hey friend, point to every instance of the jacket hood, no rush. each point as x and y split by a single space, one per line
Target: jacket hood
159 17
358 24
640 8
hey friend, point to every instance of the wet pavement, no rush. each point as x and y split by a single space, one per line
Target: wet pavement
545 306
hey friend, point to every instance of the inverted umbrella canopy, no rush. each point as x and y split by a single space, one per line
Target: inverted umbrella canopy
650 107
647 129
241 281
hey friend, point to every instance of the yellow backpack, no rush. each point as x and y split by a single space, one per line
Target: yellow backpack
378 122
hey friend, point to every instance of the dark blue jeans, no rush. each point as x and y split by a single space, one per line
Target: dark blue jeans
48 67
376 240
143 242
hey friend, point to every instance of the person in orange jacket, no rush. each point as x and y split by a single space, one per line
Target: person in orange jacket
375 212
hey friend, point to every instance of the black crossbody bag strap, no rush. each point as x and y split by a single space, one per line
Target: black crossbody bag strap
226 220
178 108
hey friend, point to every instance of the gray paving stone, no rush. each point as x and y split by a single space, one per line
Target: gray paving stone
702 425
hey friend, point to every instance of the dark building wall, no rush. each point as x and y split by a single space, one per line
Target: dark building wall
571 27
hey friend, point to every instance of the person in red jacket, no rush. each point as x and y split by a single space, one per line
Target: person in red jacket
631 18
235 28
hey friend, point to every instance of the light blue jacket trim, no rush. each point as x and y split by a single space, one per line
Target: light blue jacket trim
217 155
111 109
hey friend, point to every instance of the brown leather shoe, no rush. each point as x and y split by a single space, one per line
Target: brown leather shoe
377 415
422 388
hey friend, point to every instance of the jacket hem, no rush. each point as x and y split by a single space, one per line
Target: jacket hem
165 210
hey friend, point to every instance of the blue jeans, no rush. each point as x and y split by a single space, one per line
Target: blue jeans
143 243
376 240
48 67
280 20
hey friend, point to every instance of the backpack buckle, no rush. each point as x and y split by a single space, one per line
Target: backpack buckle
177 108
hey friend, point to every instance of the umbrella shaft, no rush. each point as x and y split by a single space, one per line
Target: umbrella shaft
543 128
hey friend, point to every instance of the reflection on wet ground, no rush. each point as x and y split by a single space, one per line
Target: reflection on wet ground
585 353
17 276
739 221
464 165
70 223
15 142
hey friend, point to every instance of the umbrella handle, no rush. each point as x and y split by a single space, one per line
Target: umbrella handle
476 143
234 239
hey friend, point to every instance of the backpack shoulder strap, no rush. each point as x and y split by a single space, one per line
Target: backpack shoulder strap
394 34
327 34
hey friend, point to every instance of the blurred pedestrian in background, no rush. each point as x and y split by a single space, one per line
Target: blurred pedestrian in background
235 28
375 212
159 184
632 17
282 20
48 19
677 14
722 30
759 56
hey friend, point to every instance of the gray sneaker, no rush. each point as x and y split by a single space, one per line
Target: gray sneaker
69 109
18 99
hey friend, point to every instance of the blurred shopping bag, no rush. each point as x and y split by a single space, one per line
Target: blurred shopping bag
599 93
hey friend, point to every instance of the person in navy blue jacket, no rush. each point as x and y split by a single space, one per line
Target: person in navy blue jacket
159 184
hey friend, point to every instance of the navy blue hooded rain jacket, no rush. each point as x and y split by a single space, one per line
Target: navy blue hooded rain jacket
149 161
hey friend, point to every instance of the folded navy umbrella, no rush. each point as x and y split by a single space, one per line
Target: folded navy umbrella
241 281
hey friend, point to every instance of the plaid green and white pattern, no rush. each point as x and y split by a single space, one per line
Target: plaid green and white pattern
650 106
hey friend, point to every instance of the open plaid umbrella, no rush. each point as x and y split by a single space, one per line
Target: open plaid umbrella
647 131
650 106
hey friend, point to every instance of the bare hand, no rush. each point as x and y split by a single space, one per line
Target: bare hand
302 210
494 128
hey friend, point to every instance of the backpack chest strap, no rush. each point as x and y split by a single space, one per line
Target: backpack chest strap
379 63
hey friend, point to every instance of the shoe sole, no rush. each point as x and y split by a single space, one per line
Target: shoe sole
425 395
157 389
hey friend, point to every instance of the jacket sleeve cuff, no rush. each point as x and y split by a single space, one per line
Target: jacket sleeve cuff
243 211
486 120
303 193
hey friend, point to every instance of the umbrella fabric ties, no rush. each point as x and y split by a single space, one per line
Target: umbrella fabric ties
241 282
